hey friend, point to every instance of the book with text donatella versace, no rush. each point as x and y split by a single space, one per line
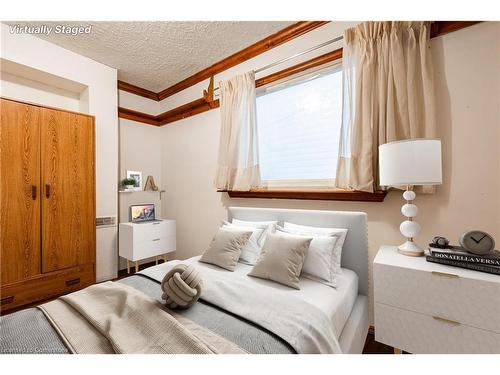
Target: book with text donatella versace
468 265
492 259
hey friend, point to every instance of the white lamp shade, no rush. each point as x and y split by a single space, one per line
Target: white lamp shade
410 162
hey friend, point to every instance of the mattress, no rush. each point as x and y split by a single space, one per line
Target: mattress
336 303
353 336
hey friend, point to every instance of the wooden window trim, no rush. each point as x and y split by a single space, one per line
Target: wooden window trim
301 67
438 28
326 195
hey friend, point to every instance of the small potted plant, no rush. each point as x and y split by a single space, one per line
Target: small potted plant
128 183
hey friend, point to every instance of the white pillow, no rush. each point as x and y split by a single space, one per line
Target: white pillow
306 230
225 248
282 258
270 227
250 252
319 264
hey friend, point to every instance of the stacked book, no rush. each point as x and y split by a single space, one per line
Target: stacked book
489 263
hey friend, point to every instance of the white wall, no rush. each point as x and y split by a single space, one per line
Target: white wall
467 90
20 88
140 150
138 103
53 66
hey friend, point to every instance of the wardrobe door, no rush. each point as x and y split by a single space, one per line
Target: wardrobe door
19 191
68 199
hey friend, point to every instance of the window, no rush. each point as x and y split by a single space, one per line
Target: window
299 129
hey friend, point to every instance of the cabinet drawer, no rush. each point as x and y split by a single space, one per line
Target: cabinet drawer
151 231
154 247
419 333
473 302
45 286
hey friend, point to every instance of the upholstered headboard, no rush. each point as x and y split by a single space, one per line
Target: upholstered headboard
355 250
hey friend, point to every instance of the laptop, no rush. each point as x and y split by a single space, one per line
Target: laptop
142 213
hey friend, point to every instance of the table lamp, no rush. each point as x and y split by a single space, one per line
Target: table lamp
407 163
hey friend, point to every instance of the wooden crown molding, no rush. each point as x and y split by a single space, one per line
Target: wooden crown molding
130 114
439 28
187 110
179 113
263 45
124 86
201 105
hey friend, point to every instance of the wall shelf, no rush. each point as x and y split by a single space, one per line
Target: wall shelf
139 191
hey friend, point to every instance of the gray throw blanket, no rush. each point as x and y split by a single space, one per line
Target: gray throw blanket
29 330
115 318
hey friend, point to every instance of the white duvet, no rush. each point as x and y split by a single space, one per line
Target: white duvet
310 319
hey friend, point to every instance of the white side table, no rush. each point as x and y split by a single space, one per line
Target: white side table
423 307
145 240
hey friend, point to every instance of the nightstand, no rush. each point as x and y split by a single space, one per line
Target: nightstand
146 240
423 307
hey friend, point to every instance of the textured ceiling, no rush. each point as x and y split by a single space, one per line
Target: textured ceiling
156 55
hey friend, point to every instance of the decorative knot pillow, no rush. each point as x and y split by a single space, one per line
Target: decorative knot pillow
181 287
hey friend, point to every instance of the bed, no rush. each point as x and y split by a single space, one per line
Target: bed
233 305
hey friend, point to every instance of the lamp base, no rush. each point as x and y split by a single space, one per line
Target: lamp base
411 249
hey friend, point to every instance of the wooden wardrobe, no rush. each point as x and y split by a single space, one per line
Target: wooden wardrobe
47 202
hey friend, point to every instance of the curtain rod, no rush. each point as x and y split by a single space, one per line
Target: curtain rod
300 54
296 55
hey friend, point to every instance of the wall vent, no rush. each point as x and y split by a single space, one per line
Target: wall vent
105 221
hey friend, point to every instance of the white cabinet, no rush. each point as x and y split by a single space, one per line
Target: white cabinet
423 307
145 240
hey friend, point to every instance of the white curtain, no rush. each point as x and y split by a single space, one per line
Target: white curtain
388 95
238 163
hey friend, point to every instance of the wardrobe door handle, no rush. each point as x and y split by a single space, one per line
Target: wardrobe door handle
47 190
33 192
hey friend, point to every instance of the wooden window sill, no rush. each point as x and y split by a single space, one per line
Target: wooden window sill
327 195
